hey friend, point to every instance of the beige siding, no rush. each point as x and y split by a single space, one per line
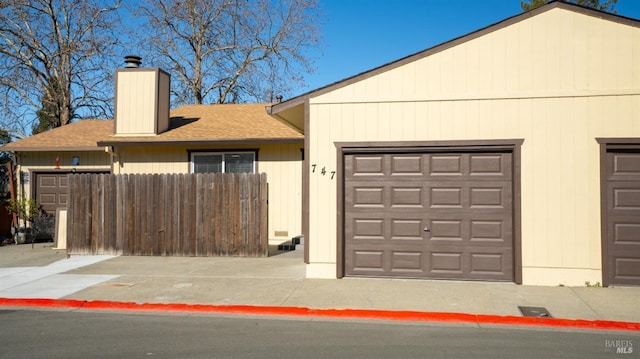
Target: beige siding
136 102
282 164
151 159
557 80
29 162
164 88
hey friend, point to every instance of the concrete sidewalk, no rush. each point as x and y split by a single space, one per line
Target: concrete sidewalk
280 281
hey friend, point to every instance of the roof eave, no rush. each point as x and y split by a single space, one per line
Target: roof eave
296 101
53 149
201 142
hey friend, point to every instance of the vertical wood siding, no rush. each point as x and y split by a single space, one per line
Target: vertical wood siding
168 215
136 102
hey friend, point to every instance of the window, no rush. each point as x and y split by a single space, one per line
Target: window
222 162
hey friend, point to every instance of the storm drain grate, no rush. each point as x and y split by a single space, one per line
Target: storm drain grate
539 312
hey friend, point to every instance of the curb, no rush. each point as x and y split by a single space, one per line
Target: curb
412 316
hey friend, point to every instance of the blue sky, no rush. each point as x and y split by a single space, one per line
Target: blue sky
359 35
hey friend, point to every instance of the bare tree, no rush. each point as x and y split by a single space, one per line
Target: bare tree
602 5
52 60
221 51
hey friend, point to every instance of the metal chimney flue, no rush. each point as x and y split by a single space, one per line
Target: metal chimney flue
132 61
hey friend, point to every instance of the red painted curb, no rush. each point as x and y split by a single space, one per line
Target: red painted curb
326 313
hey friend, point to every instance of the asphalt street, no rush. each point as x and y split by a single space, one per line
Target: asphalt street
77 334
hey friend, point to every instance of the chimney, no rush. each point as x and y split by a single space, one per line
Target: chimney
141 99
132 61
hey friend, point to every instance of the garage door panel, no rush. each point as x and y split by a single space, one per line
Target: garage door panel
627 268
368 228
48 199
484 229
625 231
364 195
407 197
464 199
447 229
626 199
407 261
446 197
489 263
367 197
489 229
490 197
625 165
445 263
365 166
483 165
446 164
368 260
373 227
50 181
406 165
469 194
407 229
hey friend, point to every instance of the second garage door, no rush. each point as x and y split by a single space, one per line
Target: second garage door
433 215
51 191
622 213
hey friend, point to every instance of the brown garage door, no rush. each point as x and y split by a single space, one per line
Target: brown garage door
622 198
434 215
51 191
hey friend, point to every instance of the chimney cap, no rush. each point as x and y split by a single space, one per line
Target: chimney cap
132 61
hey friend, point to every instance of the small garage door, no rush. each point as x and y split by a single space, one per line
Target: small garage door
51 191
622 206
433 215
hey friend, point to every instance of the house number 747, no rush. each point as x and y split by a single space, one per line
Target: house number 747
323 171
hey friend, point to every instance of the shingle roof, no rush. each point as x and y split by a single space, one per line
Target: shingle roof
78 136
217 123
189 124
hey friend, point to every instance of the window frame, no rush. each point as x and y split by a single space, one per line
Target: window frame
193 153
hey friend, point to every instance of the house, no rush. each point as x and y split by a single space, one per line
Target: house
509 154
145 137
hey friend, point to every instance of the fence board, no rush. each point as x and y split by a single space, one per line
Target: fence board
168 214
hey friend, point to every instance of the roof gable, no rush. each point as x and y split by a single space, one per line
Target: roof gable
296 101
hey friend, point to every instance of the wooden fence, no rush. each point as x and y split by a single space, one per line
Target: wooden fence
168 214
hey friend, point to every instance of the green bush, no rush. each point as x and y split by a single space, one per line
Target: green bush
24 208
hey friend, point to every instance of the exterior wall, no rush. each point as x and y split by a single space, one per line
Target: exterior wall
557 80
281 162
142 102
164 89
29 162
